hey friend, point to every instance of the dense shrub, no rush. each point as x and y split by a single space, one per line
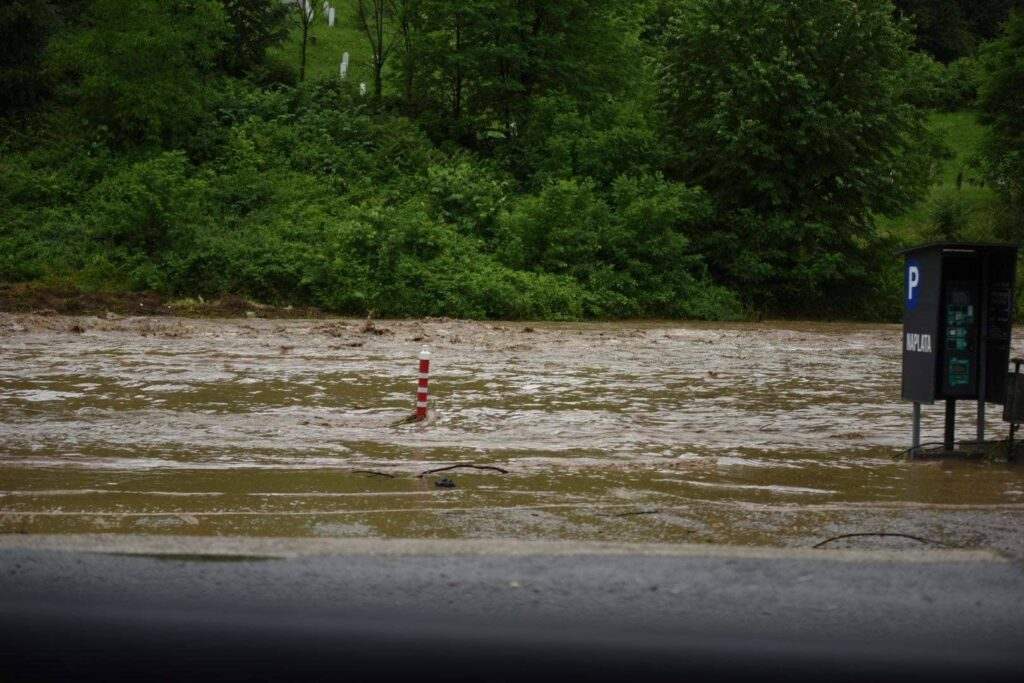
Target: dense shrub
25 26
140 69
1001 98
950 216
963 77
563 141
631 249
929 84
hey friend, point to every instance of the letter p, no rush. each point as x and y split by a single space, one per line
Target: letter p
913 280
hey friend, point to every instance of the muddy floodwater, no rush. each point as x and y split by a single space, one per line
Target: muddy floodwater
771 434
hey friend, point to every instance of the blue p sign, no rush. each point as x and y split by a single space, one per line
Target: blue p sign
913 283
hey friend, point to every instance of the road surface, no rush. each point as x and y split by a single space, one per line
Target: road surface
102 607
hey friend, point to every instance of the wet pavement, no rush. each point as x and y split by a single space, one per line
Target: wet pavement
782 434
485 610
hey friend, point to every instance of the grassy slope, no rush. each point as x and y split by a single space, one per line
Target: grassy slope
326 45
962 134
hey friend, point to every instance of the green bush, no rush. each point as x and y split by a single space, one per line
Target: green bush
962 80
564 141
630 249
1001 98
924 82
950 216
154 206
928 84
140 68
796 119
25 26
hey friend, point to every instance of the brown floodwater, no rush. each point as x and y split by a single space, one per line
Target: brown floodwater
768 433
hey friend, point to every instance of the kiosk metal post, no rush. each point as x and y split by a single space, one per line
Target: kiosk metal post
916 440
983 307
949 436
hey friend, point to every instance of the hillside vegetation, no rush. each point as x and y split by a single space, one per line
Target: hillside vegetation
580 159
958 203
326 46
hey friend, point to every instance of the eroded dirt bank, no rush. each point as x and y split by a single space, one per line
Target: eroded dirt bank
771 434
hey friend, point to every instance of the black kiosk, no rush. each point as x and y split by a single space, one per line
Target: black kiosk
957 322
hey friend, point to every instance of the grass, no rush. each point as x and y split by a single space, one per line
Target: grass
962 134
326 45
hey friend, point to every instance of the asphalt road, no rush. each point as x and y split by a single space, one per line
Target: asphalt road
503 611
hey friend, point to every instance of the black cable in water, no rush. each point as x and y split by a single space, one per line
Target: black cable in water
881 533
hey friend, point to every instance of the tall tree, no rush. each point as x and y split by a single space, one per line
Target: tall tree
479 63
25 26
1001 97
948 29
408 18
789 114
376 20
986 17
258 25
940 27
791 106
303 14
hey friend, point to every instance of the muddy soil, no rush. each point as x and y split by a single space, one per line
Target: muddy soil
770 433
67 300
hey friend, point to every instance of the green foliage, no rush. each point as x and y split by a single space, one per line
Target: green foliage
1001 98
957 182
564 141
471 69
928 84
525 159
963 78
987 17
257 25
304 198
468 196
770 110
25 27
940 27
138 68
791 115
950 216
950 29
631 251
149 207
923 82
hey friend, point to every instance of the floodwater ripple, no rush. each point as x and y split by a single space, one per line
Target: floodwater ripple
692 414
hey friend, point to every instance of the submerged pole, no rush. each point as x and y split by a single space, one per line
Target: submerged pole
916 438
983 350
423 391
950 437
1011 398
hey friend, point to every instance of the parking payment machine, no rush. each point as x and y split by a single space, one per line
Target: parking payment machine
957 323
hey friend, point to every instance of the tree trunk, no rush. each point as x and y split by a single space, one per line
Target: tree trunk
378 58
305 36
408 64
457 94
378 85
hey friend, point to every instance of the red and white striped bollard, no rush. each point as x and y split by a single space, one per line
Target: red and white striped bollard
423 392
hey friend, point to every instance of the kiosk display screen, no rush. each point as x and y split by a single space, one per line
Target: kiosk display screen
960 336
